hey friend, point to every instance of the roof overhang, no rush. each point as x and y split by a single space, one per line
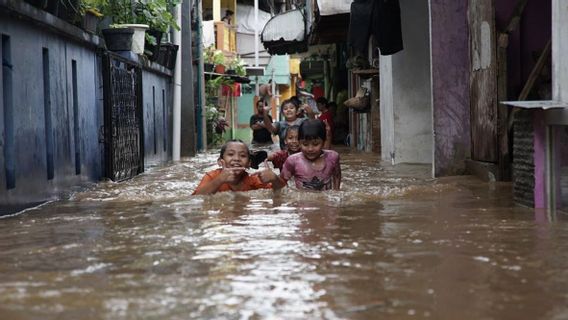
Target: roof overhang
285 33
332 7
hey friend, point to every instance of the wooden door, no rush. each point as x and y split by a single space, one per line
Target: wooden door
483 81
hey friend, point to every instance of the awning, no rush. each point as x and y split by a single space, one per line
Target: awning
285 33
331 7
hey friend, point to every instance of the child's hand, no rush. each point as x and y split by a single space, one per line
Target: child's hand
230 174
266 175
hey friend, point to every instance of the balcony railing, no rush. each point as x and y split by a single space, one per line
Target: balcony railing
225 37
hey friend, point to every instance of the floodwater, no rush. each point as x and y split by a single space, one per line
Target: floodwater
393 244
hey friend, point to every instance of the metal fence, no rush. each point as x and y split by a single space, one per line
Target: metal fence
123 125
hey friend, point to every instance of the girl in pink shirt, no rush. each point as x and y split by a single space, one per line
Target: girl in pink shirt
313 168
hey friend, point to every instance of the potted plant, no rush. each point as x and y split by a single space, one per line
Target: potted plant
158 16
91 15
213 60
124 15
208 61
236 66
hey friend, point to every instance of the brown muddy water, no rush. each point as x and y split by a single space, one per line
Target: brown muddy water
393 244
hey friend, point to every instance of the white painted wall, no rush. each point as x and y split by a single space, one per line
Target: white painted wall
406 97
559 47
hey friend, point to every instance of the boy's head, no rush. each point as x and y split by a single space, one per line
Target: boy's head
260 106
289 109
321 103
234 153
291 140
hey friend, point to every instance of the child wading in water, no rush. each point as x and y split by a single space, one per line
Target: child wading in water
293 146
232 176
314 168
290 111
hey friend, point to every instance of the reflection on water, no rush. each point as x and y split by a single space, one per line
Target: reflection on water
393 244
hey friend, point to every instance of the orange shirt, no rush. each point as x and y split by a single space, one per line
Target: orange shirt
247 183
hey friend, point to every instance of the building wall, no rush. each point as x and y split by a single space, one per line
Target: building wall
450 86
50 143
38 163
406 119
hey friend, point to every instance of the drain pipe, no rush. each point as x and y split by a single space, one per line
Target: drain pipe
176 125
200 86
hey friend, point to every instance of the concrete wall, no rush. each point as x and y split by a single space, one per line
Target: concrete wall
51 108
450 86
45 162
406 107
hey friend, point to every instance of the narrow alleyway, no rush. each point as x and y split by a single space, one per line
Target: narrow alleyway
393 244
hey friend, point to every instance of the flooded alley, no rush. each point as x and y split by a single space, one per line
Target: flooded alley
393 244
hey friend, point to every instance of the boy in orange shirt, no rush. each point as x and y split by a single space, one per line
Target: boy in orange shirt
232 176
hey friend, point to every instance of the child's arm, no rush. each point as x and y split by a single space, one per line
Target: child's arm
336 178
267 121
268 176
328 137
209 185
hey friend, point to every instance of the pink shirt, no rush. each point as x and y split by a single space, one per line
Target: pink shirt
306 177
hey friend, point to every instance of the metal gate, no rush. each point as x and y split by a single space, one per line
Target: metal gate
123 131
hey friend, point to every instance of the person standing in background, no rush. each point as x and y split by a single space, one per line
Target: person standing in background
325 113
260 135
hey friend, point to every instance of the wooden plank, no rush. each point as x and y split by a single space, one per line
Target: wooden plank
505 170
483 81
375 116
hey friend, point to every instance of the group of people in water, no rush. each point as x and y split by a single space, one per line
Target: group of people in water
304 156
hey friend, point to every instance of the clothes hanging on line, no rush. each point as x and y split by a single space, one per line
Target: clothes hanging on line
380 18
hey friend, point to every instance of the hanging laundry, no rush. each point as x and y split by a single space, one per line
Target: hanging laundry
380 18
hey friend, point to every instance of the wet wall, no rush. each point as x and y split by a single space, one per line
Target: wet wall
51 110
450 86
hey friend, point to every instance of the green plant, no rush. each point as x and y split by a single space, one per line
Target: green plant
158 14
213 56
92 6
238 65
216 125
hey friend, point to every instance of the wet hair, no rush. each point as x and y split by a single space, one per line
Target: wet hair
295 100
224 147
312 129
292 128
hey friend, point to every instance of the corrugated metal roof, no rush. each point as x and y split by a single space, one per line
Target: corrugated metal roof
287 26
331 7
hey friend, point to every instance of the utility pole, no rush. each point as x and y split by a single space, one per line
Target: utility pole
188 131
